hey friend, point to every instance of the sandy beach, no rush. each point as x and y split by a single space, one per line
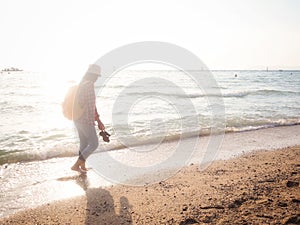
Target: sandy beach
256 188
199 99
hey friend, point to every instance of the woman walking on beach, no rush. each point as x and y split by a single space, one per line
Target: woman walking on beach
85 124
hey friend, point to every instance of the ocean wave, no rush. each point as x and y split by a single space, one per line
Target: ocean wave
238 125
237 94
264 92
37 155
17 108
53 137
140 139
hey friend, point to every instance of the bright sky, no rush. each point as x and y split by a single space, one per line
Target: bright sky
67 35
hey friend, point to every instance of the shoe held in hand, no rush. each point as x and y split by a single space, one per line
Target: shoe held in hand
104 135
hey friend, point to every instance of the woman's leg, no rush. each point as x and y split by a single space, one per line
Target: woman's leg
92 141
83 143
80 163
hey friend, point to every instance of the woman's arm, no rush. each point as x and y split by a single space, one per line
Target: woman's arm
97 118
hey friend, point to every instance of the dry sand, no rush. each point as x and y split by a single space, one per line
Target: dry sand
257 188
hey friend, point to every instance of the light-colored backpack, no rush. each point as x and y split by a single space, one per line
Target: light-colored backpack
70 106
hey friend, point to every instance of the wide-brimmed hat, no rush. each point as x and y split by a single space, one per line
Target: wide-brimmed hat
94 69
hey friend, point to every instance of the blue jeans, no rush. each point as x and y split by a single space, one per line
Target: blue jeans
88 140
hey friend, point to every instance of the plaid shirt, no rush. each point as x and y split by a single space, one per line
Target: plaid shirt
87 98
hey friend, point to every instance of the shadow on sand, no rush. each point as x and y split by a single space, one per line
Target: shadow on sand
100 208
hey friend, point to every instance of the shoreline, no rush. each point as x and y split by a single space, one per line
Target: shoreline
256 187
193 135
31 184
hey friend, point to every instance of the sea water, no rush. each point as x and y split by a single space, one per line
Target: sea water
38 145
32 126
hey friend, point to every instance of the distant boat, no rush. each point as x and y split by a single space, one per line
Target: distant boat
280 70
11 69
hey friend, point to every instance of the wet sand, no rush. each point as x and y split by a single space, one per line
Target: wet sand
256 188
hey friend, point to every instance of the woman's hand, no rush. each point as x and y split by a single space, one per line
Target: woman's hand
100 125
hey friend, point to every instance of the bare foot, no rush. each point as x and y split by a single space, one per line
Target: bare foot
77 169
83 168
